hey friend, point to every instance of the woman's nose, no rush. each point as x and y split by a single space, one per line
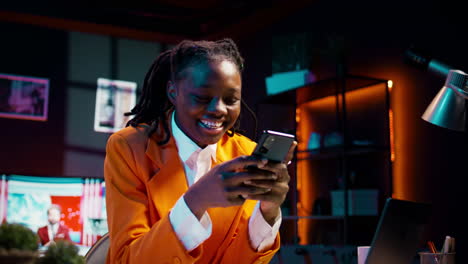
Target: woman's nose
217 106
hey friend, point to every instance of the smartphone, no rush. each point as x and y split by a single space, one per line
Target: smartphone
273 145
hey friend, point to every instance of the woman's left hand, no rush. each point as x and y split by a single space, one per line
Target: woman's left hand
271 201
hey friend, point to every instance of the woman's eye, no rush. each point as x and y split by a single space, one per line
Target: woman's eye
202 99
231 101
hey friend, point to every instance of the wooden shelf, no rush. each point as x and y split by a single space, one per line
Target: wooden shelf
357 109
321 89
314 217
325 217
339 152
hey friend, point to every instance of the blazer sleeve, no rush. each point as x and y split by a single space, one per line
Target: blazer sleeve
132 237
240 246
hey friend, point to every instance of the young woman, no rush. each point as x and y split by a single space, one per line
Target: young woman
181 186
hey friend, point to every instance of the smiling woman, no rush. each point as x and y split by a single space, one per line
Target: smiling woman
183 175
208 102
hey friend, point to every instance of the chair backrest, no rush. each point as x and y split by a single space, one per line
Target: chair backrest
97 254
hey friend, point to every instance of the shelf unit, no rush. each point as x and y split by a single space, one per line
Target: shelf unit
352 150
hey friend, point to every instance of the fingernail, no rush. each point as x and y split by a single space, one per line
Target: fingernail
245 196
247 182
274 177
264 162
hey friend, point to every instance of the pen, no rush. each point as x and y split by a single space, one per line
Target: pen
452 245
446 247
449 247
433 250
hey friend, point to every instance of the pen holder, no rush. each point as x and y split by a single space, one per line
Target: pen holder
437 258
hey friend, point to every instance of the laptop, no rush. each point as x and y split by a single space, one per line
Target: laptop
399 232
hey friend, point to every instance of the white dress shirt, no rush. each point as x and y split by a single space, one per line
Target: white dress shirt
52 230
192 232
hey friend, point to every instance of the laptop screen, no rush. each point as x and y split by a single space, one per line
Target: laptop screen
398 232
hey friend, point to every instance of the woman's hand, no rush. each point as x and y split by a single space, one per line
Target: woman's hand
224 186
271 201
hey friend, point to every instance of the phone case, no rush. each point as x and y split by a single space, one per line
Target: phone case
274 145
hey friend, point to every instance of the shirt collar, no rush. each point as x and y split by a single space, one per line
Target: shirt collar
185 145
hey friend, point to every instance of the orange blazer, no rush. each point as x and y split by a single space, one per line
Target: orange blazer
143 183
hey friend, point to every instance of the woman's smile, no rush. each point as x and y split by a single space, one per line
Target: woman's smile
211 125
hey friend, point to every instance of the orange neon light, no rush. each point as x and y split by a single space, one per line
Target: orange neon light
392 136
390 85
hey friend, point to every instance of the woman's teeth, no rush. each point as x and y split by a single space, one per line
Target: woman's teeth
211 125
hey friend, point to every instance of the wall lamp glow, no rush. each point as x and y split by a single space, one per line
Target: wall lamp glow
449 108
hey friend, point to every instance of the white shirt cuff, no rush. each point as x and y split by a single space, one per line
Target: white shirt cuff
262 235
188 229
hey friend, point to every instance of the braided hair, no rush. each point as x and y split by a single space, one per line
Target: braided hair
153 104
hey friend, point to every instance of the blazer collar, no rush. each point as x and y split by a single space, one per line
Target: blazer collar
162 155
169 182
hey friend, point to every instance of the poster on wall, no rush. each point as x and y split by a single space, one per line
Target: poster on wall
23 97
114 98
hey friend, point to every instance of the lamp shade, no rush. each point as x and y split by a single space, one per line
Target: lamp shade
448 108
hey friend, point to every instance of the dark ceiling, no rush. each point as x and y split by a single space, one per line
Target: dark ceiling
170 20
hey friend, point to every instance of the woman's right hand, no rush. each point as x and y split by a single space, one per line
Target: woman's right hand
223 185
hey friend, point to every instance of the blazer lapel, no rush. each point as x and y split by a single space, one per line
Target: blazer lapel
60 232
224 150
169 183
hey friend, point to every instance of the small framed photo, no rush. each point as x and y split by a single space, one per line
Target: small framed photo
24 97
114 98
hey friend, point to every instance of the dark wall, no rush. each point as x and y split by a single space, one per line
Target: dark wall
66 144
34 147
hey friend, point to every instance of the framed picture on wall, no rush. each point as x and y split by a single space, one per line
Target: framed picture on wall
24 97
114 98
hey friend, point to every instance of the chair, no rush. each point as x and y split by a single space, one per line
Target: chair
97 254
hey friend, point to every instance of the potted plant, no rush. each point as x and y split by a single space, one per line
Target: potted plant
18 244
61 252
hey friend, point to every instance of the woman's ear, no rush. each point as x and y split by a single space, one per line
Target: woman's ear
171 91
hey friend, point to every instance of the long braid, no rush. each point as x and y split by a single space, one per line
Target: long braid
153 104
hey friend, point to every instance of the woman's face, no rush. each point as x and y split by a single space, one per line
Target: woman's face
207 100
